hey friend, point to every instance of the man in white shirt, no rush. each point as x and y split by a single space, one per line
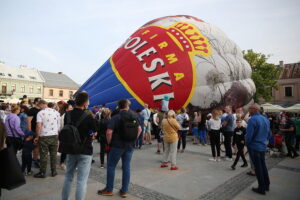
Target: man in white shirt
48 125
183 120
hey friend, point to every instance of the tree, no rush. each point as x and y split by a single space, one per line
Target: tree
264 75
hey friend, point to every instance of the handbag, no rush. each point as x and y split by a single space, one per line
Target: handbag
11 175
18 141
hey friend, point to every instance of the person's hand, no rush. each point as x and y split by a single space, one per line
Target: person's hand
243 142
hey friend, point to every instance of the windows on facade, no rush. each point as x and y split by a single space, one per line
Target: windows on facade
9 75
71 94
13 88
30 89
4 88
51 93
39 90
20 76
32 77
2 74
23 88
288 91
61 93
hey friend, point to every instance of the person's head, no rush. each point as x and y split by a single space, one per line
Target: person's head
24 109
138 111
228 109
60 104
215 114
196 114
106 113
82 100
239 123
42 104
254 108
238 116
146 105
36 100
155 110
25 96
124 104
15 108
50 105
67 107
171 114
183 110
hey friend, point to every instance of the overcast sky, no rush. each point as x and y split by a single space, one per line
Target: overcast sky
77 37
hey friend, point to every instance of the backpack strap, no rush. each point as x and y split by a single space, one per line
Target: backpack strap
82 117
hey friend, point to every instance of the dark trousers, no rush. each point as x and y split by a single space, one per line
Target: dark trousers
139 140
102 151
15 142
26 162
261 171
297 142
182 138
227 143
63 157
239 154
289 140
214 136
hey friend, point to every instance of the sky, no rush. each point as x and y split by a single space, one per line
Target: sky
77 37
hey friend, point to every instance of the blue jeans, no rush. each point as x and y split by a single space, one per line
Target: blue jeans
83 163
261 171
139 140
202 136
113 158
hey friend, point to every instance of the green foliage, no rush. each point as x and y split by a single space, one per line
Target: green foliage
264 75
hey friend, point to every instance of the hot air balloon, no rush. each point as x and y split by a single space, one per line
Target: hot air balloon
192 62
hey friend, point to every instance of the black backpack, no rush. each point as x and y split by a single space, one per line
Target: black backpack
69 137
128 126
185 122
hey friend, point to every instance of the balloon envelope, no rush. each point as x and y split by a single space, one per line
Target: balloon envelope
191 61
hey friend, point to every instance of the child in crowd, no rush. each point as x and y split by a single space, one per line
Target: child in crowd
239 141
28 146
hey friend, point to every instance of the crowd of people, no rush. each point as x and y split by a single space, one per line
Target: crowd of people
36 130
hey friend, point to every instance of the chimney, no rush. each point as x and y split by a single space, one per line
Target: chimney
281 64
60 73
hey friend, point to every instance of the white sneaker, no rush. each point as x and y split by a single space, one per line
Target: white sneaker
228 159
63 166
218 159
212 159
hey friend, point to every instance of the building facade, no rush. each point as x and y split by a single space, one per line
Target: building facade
288 92
18 81
58 86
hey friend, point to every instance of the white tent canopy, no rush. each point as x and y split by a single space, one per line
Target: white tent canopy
272 108
294 108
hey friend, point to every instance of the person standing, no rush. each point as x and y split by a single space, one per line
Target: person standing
214 126
170 128
81 161
139 140
289 132
183 120
227 130
146 113
257 136
120 149
102 128
239 141
48 125
31 126
65 108
13 128
195 129
23 118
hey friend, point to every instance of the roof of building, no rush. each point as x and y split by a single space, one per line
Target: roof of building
291 70
20 73
59 80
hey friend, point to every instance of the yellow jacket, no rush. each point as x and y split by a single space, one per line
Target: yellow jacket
170 127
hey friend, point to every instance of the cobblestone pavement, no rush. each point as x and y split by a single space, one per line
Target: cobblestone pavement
197 178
